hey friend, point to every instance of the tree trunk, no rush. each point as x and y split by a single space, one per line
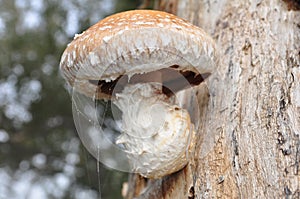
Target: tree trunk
249 134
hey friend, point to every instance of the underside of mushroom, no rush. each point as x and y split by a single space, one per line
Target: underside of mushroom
171 80
156 133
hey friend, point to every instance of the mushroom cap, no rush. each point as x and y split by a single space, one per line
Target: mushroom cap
135 42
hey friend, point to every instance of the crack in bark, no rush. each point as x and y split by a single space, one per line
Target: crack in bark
235 148
191 193
287 191
297 157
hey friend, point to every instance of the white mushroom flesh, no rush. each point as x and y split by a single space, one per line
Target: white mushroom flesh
155 133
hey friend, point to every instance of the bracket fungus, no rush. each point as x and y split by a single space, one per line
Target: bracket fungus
139 60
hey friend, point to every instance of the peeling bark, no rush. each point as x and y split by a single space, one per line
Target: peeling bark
252 116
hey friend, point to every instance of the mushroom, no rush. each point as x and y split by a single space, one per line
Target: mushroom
139 60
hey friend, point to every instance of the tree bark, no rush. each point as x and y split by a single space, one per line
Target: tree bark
249 133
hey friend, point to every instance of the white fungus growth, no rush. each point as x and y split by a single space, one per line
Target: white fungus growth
151 125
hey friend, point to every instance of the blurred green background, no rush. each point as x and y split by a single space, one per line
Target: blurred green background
41 155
